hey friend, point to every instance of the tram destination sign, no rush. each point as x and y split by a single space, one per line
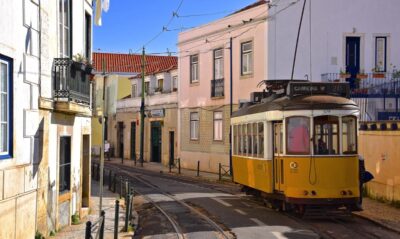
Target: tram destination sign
308 88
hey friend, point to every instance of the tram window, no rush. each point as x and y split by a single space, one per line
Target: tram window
349 135
278 139
298 135
236 140
260 140
250 140
326 140
240 146
244 136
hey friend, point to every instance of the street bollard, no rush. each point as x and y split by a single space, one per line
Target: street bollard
126 187
103 221
104 173
219 172
127 197
98 172
122 160
116 219
132 192
109 180
179 165
198 168
88 230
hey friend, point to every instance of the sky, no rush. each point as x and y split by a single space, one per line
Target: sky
130 24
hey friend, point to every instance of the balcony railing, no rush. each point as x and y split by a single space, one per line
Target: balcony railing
368 85
217 88
71 81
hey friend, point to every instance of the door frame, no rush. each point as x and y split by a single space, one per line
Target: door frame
151 141
133 141
171 151
362 49
276 163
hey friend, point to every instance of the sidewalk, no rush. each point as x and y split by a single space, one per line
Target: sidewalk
377 212
78 231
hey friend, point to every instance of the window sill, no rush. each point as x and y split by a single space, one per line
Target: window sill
217 97
246 76
197 141
196 83
64 196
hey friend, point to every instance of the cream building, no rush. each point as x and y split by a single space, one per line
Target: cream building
161 112
45 115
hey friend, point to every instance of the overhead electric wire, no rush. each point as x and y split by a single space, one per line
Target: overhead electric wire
204 14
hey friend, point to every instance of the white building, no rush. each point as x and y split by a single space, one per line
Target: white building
45 115
359 36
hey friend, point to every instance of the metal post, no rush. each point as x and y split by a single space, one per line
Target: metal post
88 231
127 197
102 137
109 180
179 165
126 187
142 111
198 168
219 171
103 221
120 187
231 101
116 219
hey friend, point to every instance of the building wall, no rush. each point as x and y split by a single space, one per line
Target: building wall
202 41
28 179
331 22
382 159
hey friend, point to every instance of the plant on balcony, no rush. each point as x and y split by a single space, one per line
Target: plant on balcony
81 62
362 75
158 89
344 75
377 74
396 73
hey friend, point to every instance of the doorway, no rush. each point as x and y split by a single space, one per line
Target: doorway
133 140
156 141
352 59
85 170
171 147
120 139
278 160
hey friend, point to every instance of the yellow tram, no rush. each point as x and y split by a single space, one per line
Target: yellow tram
296 145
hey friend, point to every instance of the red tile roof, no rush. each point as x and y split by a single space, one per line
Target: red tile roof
132 63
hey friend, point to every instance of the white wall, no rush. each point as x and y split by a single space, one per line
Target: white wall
331 21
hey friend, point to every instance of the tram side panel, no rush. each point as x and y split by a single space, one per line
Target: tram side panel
254 173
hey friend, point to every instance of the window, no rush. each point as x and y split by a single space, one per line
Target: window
218 64
146 87
194 126
240 141
134 90
249 140
174 83
65 165
247 58
260 148
298 135
194 68
326 130
160 84
278 139
218 126
380 54
235 139
6 80
88 36
349 124
64 22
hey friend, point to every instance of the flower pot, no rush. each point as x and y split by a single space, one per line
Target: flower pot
378 75
362 76
344 75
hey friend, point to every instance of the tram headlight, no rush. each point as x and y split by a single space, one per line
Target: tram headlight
313 193
305 192
343 193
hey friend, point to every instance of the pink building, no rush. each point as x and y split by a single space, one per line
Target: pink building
204 72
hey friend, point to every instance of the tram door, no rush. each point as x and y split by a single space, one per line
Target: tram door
278 157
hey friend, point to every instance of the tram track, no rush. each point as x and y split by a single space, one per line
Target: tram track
330 227
138 182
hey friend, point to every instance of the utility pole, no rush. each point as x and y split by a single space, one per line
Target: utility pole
142 111
231 105
103 133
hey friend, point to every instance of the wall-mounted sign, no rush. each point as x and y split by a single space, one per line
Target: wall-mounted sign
308 88
157 113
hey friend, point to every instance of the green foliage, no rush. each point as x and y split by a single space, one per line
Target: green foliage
52 233
39 235
75 219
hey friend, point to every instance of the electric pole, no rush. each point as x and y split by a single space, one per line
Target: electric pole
103 133
142 111
231 105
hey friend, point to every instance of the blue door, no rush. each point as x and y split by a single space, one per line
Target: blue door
352 59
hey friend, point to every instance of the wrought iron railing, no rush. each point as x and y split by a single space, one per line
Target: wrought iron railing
217 88
370 84
71 81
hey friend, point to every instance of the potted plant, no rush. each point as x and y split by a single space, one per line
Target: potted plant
344 75
362 75
82 63
377 74
396 73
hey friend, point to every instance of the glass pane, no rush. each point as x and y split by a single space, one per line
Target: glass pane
66 42
3 77
246 46
349 135
240 149
255 139
3 138
250 140
261 139
66 13
4 107
326 139
298 135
